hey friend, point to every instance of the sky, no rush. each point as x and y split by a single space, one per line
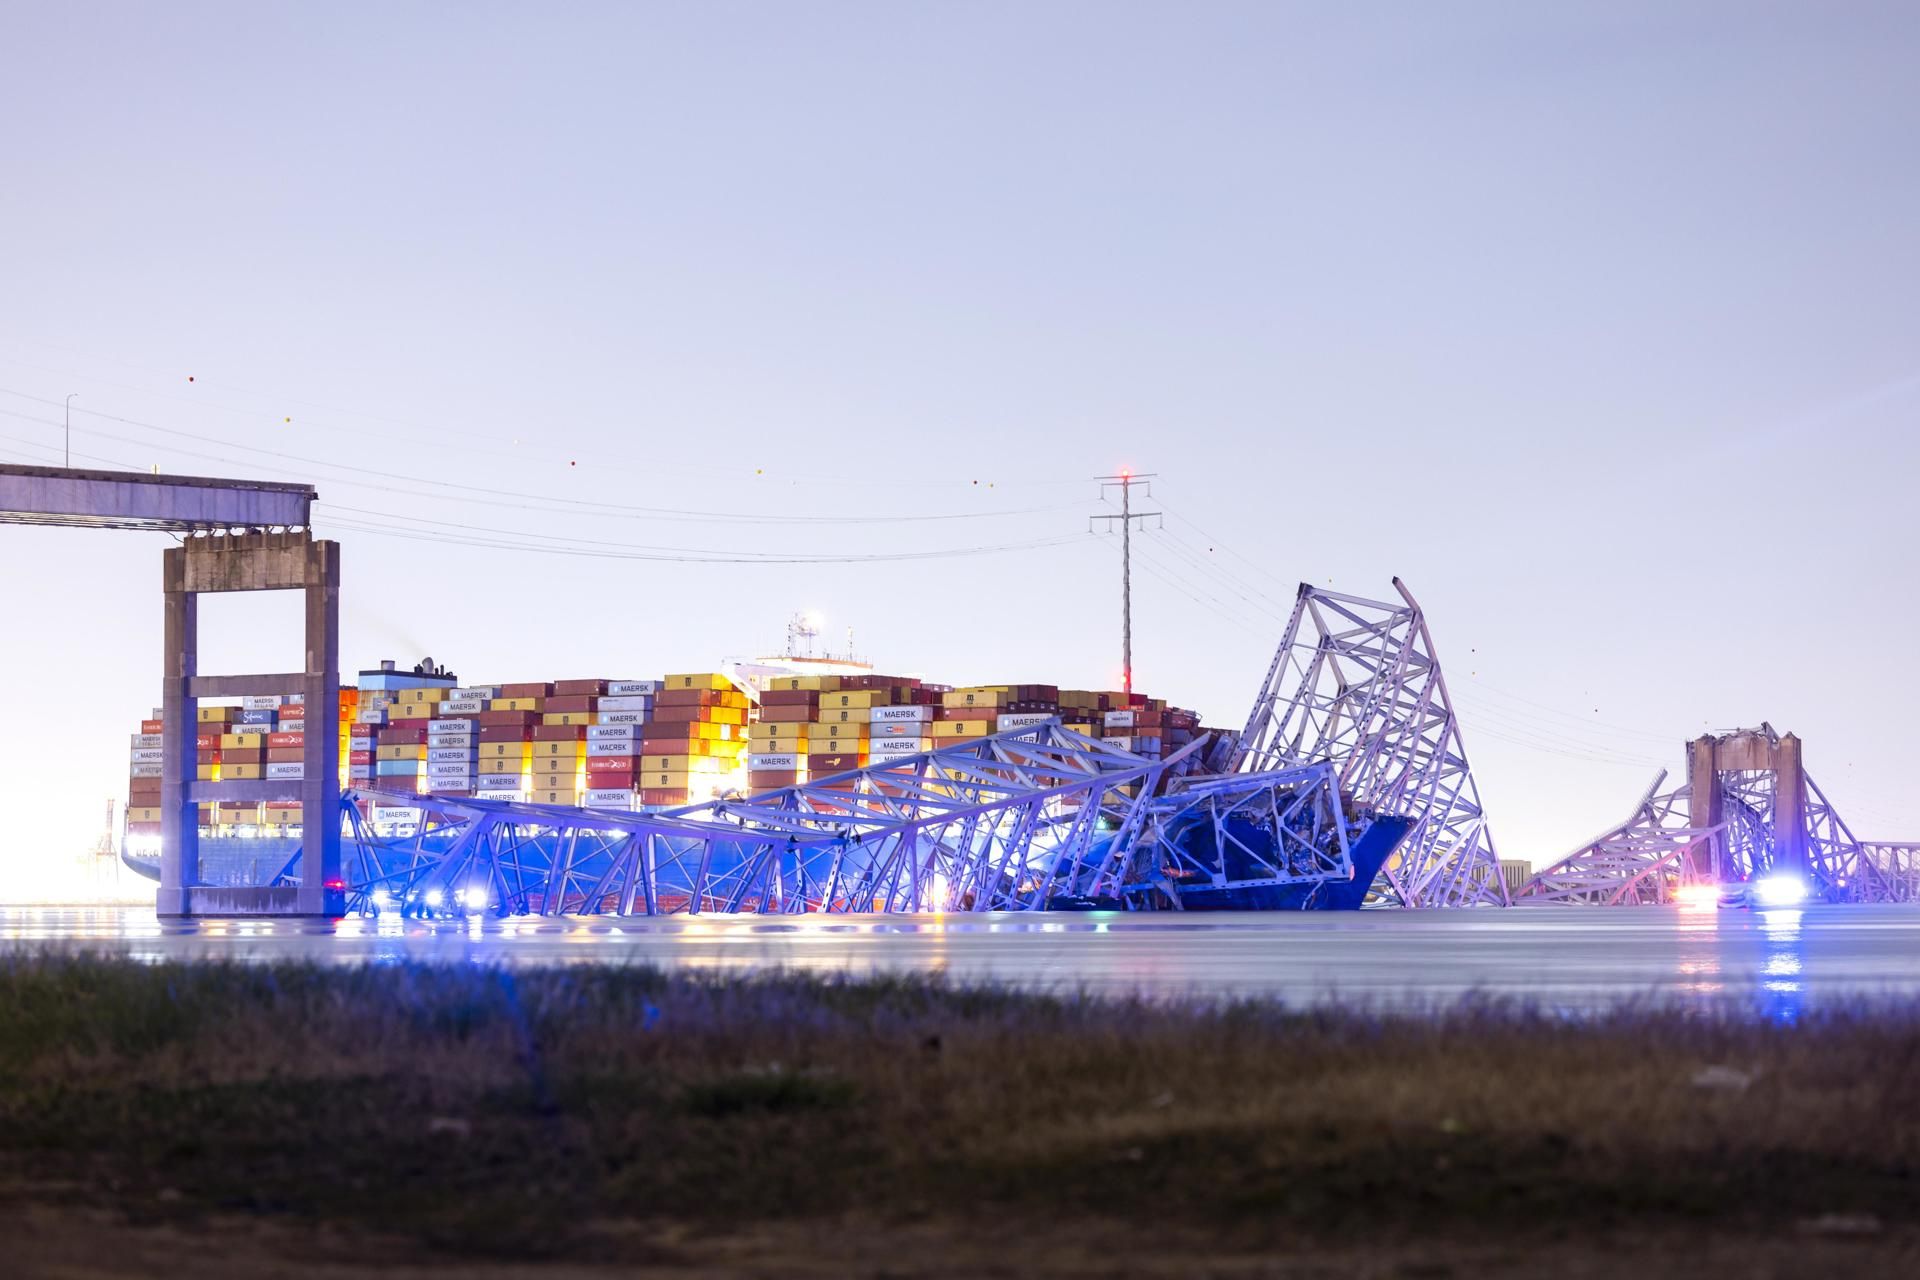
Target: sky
613 335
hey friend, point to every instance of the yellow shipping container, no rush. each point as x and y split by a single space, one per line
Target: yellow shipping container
983 696
215 715
401 751
229 740
514 704
786 733
421 695
962 728
858 698
506 751
569 717
572 748
555 795
833 735
242 772
825 684
207 773
1084 699
845 715
143 815
698 680
682 764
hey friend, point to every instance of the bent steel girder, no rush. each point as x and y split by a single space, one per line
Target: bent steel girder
1357 684
1642 861
1008 822
1242 831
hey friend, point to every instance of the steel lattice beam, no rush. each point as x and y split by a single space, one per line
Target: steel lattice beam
1012 822
1357 684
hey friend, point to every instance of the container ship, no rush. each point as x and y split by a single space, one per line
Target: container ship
749 727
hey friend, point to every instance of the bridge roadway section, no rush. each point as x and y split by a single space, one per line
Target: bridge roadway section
1777 962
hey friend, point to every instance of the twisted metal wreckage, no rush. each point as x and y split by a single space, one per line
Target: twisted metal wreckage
1349 784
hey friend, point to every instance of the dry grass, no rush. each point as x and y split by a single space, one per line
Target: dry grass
574 1113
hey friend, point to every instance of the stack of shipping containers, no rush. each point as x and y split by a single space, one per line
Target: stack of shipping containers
618 744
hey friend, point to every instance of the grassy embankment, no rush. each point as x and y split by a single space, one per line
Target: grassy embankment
905 1127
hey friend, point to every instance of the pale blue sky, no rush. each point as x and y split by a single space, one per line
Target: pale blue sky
1596 323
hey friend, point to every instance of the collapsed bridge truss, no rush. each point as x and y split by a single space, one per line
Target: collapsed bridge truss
1018 821
1660 849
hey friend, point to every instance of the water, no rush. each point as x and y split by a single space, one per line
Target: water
1779 960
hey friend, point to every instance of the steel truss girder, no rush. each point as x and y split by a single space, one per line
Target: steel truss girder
1357 684
1009 822
1647 858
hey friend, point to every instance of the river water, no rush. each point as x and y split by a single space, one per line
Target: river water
1778 961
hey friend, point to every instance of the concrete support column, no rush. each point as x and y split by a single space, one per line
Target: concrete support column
1789 808
1705 807
179 732
320 789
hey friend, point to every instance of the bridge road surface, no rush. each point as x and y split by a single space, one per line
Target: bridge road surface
1779 961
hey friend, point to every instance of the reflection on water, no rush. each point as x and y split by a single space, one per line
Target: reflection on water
1775 961
1784 964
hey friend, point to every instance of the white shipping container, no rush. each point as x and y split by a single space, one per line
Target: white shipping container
889 715
623 717
628 702
498 781
1118 720
289 770
454 726
295 698
370 715
450 769
461 706
260 702
781 762
444 755
239 729
608 799
891 747
481 692
147 755
1023 719
625 688
450 741
611 733
1122 741
144 771
498 793
435 785
613 747
360 773
147 740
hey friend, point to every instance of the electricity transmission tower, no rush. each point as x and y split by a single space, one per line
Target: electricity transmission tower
1125 482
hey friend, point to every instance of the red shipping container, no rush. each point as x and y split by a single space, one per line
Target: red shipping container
610 780
403 737
764 780
837 762
422 723
684 698
571 702
286 755
153 726
277 740
504 733
574 688
679 715
787 713
526 691
790 698
359 757
610 764
558 732
662 796
206 742
507 717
